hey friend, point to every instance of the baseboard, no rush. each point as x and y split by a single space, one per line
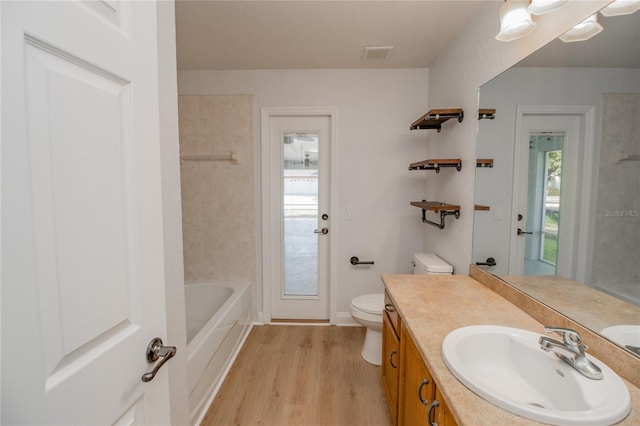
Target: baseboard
344 319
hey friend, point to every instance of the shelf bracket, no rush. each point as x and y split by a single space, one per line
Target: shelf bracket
443 214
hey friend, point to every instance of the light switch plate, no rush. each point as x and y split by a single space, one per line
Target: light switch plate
348 213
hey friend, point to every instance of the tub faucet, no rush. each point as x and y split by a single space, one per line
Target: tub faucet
571 350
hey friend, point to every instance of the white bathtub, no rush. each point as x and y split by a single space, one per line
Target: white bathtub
217 323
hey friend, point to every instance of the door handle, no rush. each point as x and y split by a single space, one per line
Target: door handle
323 231
489 262
155 350
520 232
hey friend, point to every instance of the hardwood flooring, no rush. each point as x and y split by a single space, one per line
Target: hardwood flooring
301 376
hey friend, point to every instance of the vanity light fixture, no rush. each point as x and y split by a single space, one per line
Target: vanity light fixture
583 31
540 7
621 7
515 20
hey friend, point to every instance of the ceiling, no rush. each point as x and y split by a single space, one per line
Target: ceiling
236 35
302 34
617 46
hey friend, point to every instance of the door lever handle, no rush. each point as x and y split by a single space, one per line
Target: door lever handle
520 232
489 262
155 350
323 231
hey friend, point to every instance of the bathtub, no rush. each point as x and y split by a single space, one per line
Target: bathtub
217 324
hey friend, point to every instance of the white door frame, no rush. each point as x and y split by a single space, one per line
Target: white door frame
266 114
584 176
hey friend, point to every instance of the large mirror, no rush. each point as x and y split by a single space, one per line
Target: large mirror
564 192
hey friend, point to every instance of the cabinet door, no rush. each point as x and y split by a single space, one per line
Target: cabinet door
416 384
390 366
443 413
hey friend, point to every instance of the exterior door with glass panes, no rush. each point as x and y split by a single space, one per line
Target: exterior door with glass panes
300 223
545 197
543 206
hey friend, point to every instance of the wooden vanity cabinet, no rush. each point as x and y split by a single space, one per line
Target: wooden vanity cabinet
391 357
417 389
412 395
443 413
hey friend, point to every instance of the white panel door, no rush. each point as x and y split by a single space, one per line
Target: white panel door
300 231
82 259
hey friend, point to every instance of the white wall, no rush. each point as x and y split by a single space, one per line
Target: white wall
375 147
471 60
530 86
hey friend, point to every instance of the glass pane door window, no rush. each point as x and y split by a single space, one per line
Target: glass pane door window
300 214
551 206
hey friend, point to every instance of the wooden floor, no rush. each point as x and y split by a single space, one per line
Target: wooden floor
301 375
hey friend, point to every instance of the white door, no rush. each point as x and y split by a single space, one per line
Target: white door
300 222
546 169
82 259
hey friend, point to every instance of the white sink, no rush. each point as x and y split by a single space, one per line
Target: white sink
507 367
623 335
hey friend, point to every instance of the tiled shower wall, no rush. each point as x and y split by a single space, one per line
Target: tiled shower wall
218 208
616 251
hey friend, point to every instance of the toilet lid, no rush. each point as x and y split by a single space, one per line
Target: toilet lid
369 303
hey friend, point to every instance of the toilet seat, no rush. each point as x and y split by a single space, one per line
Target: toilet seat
369 303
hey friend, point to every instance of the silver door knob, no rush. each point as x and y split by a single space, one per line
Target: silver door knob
323 231
155 350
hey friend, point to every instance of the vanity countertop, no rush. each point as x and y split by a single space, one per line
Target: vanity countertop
433 306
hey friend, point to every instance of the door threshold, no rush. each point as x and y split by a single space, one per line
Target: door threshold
290 321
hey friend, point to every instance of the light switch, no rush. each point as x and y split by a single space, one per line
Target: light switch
497 213
348 213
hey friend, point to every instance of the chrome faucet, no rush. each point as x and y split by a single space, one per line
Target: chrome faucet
571 350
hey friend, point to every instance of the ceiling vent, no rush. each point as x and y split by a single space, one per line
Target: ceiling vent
375 53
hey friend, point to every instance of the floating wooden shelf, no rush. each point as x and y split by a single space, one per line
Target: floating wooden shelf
484 162
437 164
435 206
443 209
480 207
435 117
486 114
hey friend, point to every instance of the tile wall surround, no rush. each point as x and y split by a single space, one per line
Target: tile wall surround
616 251
218 197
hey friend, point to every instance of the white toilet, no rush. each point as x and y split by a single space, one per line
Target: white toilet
367 309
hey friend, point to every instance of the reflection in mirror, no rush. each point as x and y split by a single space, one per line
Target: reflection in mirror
564 190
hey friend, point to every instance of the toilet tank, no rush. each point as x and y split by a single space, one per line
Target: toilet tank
430 264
